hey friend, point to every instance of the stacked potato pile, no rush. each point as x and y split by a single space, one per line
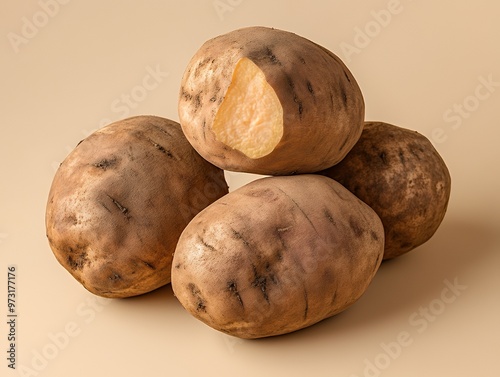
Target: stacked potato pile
143 201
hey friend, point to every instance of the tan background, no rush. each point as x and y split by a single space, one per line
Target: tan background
66 68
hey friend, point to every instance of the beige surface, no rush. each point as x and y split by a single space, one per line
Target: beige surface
69 67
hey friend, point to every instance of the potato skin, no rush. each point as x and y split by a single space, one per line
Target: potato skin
398 173
120 200
322 103
267 259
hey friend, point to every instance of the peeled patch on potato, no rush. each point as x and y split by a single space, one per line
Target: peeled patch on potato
120 200
398 173
266 101
277 255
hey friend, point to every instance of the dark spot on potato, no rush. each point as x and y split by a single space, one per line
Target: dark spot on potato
356 228
347 76
306 309
114 277
344 143
373 235
300 108
302 60
197 101
120 207
344 95
402 157
272 58
237 235
310 88
279 255
161 148
233 288
207 245
149 265
177 266
184 94
213 99
260 282
329 216
196 293
76 258
105 163
383 157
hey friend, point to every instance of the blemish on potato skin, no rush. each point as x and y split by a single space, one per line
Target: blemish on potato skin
196 293
120 207
343 95
237 235
272 58
260 282
76 259
347 76
161 148
329 216
105 163
356 228
383 157
233 288
114 277
207 245
310 88
186 95
306 309
149 265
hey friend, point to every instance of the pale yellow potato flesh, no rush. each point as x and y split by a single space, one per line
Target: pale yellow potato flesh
250 119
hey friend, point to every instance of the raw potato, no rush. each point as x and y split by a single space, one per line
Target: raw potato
267 101
403 178
120 200
277 255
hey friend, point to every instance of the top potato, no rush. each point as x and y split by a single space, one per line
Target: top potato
266 101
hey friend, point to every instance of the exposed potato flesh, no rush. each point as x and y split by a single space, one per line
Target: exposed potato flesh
250 118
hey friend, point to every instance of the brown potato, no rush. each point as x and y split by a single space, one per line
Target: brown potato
398 173
120 200
277 255
266 101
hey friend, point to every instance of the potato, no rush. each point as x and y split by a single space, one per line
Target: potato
120 200
266 101
398 173
277 255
